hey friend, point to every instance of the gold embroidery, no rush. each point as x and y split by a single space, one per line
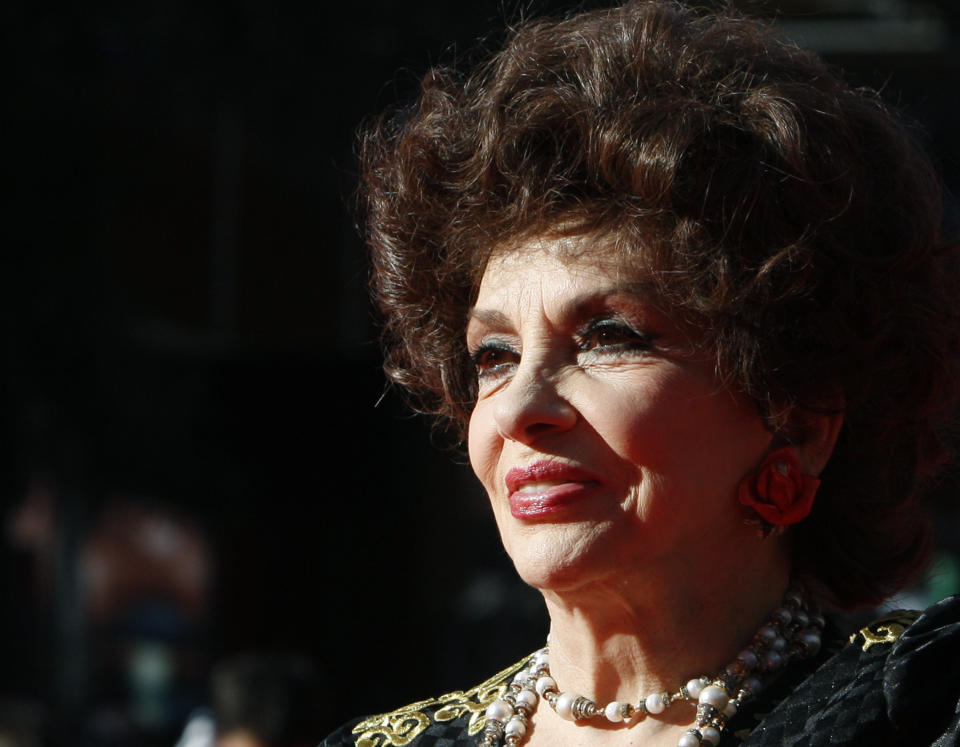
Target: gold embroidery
402 726
887 629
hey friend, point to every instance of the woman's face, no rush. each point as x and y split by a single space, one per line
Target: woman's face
603 439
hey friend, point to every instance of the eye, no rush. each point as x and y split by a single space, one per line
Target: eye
613 336
494 358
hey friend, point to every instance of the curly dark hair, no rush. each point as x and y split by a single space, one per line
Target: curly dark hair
794 219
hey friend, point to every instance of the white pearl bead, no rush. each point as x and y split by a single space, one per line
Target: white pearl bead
613 712
695 687
766 635
545 684
654 704
499 710
715 696
710 735
541 660
527 698
752 685
565 705
516 728
748 658
688 740
811 643
772 660
731 710
782 615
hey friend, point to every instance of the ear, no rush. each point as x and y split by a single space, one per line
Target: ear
815 436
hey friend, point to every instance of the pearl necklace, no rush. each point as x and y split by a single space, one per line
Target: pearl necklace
791 633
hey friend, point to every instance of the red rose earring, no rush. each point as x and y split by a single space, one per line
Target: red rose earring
778 491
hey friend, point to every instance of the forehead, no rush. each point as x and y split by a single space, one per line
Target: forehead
579 259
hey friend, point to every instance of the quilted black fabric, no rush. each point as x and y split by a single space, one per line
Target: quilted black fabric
841 703
904 693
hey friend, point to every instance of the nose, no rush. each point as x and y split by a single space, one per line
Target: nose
531 406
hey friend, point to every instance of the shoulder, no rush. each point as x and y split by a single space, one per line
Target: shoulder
893 683
457 717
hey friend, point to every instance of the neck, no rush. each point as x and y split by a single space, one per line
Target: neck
612 639
619 650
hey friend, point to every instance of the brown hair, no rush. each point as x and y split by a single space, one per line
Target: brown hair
792 217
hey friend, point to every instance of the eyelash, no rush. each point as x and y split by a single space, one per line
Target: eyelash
626 338
626 341
481 357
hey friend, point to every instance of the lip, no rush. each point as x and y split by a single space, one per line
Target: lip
565 485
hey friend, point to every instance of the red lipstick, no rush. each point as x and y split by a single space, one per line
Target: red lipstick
540 490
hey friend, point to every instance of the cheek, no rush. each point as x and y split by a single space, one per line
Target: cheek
630 423
683 432
481 445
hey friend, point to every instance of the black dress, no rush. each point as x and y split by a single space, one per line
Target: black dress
894 682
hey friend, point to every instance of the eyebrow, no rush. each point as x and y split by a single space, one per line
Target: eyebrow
489 317
638 291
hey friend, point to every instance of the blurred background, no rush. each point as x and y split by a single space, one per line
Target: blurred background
202 471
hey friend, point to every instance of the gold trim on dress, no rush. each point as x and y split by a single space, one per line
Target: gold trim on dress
886 629
400 727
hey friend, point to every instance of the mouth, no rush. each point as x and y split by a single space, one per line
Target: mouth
545 489
538 486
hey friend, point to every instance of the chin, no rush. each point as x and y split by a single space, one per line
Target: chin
557 567
553 579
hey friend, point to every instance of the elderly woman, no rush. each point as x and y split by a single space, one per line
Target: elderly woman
686 296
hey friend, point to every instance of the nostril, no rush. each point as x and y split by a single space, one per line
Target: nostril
530 409
535 429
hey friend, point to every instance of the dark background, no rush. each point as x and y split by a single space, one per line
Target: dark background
199 455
